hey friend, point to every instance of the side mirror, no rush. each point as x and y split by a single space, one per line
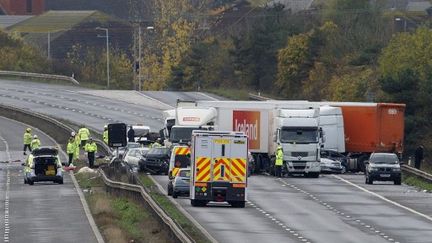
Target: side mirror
401 163
366 162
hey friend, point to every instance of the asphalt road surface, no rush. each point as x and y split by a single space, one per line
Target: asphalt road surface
44 212
327 209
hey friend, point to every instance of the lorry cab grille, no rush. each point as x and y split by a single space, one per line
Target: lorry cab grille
301 154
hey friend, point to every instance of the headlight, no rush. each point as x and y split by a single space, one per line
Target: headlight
396 169
373 169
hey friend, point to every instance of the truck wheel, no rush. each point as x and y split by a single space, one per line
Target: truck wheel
237 204
397 181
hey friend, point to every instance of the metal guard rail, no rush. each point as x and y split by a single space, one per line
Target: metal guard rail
40 75
257 97
178 232
416 172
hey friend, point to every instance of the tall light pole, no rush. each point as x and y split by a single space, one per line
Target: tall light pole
139 54
107 52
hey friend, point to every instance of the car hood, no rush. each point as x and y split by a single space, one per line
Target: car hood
326 161
385 165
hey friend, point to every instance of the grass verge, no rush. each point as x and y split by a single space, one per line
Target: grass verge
417 182
171 209
119 219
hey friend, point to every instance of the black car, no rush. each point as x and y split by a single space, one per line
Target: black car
383 167
156 161
333 155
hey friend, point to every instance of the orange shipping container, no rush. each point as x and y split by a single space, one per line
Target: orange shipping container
373 127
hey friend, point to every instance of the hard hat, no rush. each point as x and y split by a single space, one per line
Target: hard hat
28 129
106 127
279 147
73 134
35 136
91 138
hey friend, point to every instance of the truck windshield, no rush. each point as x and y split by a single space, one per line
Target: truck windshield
299 135
181 134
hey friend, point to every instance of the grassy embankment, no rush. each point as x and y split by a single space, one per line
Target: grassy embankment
119 219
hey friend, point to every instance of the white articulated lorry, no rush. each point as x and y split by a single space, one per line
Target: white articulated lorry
293 125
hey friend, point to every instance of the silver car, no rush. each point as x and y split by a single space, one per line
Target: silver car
181 183
134 155
331 166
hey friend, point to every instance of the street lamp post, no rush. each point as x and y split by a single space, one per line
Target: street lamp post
139 54
107 52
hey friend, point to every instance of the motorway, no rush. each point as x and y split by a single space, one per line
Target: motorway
45 212
327 209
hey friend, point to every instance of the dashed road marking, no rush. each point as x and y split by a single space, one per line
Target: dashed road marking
342 214
295 234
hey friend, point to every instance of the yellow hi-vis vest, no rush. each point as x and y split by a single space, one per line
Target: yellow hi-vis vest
91 147
279 157
84 133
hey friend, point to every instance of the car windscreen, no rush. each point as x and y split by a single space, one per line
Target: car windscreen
158 151
298 135
181 134
184 173
141 132
384 159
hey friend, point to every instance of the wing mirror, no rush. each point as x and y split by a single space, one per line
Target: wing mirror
366 162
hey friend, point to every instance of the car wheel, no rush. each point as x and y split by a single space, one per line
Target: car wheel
398 182
343 171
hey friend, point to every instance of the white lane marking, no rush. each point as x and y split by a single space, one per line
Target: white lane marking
6 235
385 199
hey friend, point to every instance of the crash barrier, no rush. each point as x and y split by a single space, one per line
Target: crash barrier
39 75
49 125
413 171
116 171
257 97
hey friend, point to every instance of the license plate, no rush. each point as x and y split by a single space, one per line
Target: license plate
50 171
385 175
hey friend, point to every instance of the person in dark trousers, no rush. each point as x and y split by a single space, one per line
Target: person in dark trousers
418 156
131 135
279 161
71 149
27 140
91 149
